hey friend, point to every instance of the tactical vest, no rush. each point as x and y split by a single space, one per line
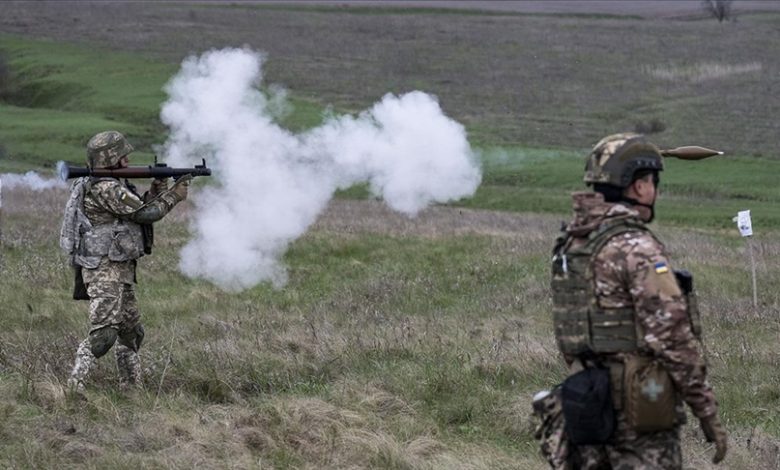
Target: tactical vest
120 240
582 327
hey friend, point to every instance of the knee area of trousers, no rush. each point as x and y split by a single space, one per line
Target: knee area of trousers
100 341
133 338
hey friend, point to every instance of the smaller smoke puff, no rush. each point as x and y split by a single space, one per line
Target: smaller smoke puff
30 180
408 151
270 185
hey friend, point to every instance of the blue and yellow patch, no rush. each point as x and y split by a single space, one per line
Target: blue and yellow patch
661 267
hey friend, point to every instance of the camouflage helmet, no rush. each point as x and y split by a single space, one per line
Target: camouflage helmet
616 158
106 148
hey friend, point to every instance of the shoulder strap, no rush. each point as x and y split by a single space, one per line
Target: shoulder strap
599 237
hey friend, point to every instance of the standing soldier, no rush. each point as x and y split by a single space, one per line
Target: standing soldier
106 228
627 325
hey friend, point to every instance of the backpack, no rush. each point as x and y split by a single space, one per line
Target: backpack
74 222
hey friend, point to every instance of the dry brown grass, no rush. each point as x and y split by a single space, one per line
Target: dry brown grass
348 377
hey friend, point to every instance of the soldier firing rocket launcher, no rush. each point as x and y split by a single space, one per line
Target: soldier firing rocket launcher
158 170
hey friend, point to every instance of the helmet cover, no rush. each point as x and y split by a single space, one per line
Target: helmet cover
105 149
616 158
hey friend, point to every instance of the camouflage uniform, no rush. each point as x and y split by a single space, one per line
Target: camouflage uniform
631 271
115 212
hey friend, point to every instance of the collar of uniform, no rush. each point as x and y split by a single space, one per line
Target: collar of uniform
590 211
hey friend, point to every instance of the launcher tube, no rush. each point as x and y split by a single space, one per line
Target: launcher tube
159 170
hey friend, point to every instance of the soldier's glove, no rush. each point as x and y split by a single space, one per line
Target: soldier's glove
181 187
159 186
715 432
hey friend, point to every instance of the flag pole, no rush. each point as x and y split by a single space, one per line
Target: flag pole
745 226
753 270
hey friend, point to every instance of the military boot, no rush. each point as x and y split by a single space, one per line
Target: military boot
83 364
129 367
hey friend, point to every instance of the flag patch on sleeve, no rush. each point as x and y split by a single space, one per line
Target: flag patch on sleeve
661 267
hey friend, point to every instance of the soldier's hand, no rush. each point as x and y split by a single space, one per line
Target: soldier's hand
181 187
158 186
715 432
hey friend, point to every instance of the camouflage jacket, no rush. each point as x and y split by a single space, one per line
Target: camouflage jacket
109 202
632 270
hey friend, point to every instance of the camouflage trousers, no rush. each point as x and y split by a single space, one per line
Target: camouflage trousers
626 450
112 305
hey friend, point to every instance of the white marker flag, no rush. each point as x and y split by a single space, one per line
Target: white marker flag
744 223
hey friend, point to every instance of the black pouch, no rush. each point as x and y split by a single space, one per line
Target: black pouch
147 230
79 288
588 412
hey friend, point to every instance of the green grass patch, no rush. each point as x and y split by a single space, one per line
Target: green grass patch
704 193
59 95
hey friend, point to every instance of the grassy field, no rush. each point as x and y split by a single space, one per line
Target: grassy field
396 343
59 96
532 80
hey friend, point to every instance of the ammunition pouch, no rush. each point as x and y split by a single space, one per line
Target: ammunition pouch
588 410
118 241
649 396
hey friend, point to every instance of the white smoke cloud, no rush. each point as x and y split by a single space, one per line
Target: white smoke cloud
30 180
270 185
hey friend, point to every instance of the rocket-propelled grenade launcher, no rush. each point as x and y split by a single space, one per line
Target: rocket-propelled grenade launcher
158 170
690 152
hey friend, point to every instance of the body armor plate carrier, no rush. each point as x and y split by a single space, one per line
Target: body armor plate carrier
582 327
